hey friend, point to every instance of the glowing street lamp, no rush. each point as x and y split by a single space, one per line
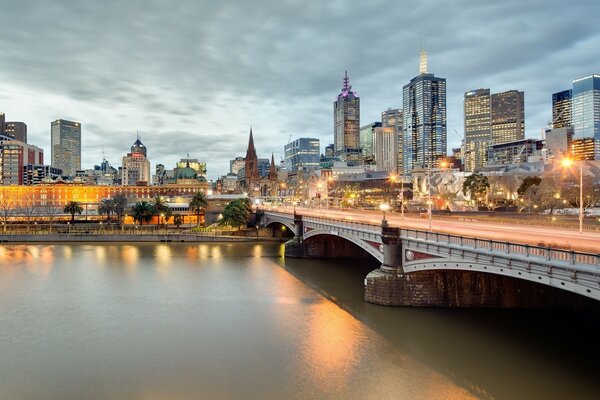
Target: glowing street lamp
566 163
384 207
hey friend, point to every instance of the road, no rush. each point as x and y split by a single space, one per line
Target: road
524 234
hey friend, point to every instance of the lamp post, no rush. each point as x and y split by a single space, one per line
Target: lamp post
393 178
384 207
567 162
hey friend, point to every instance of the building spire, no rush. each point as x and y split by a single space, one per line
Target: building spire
251 140
422 60
272 170
346 86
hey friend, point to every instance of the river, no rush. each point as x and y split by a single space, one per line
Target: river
237 320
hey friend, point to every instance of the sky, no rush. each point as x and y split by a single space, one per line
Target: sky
192 76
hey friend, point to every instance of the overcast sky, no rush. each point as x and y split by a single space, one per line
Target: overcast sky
192 76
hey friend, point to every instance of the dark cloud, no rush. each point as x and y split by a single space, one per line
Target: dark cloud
193 76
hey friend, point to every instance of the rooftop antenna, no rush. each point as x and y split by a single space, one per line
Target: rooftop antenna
422 60
103 157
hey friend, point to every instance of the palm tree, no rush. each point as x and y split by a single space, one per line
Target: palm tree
159 206
120 201
197 204
73 207
142 212
236 213
106 206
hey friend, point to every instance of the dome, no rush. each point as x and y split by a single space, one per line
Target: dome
186 173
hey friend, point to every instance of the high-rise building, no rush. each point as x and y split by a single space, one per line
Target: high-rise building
392 118
508 116
302 154
236 164
136 166
561 109
585 115
14 156
16 129
2 121
65 146
251 173
559 142
478 129
366 139
346 123
385 148
424 115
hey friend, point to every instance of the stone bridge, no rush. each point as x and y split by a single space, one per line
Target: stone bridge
422 268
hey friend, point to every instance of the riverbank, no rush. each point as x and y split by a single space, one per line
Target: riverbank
124 238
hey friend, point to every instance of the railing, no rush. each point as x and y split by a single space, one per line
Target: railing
545 253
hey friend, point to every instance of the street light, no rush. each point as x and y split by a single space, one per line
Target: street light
384 207
567 162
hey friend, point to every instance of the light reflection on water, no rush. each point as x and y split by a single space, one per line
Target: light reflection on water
223 320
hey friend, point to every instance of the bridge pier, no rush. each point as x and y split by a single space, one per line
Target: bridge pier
294 247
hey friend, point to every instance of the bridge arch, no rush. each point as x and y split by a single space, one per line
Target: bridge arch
371 249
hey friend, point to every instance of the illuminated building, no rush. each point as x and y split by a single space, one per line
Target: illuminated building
508 116
561 109
18 130
424 115
36 174
385 148
136 167
346 123
65 146
14 156
199 167
302 153
236 164
585 116
392 118
478 130
366 140
513 152
584 149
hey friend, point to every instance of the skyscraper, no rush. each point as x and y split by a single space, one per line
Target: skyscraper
366 139
346 123
478 129
508 116
385 148
561 109
302 154
424 115
136 166
65 146
16 129
586 113
392 118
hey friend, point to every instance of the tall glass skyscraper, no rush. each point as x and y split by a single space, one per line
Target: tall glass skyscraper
346 123
586 110
392 118
561 109
508 116
65 147
424 114
302 154
478 128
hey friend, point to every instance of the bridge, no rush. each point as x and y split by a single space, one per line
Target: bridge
425 268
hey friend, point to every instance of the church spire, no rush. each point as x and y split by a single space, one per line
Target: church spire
272 170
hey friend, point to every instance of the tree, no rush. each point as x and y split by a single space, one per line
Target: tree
159 206
120 202
527 183
236 213
50 212
178 220
106 206
73 207
142 212
476 186
7 210
197 204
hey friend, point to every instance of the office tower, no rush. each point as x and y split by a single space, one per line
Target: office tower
366 139
346 123
585 117
65 146
424 115
392 118
329 151
252 176
136 167
2 121
14 156
508 116
385 148
16 129
302 154
236 164
264 165
561 109
478 129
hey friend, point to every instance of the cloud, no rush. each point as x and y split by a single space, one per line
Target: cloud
193 76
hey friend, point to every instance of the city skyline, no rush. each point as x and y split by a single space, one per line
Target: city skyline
189 79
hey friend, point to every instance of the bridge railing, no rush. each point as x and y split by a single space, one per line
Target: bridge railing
546 253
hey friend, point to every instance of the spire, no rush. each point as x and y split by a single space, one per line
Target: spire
251 140
272 170
346 86
422 60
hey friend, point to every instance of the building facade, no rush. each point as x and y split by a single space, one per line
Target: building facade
392 118
478 129
586 113
136 166
366 139
385 149
302 154
424 115
508 116
559 142
14 156
65 146
561 109
346 123
516 152
16 129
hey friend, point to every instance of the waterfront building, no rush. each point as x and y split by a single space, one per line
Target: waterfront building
508 116
302 154
478 129
366 140
586 116
515 152
424 119
65 146
16 129
392 118
385 148
346 123
561 109
136 166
